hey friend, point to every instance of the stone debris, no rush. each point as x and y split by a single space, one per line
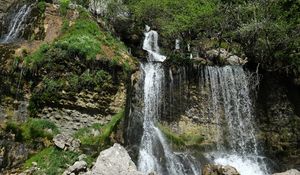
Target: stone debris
66 142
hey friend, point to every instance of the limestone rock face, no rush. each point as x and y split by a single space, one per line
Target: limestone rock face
289 172
66 142
219 170
114 161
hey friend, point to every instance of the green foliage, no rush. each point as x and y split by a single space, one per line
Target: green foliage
32 129
64 5
83 39
41 6
267 30
52 161
37 57
173 16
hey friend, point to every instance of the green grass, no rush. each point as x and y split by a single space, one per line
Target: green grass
83 39
32 129
86 136
52 161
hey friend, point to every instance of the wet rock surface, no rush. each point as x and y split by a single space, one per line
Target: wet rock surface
219 170
278 120
289 172
77 167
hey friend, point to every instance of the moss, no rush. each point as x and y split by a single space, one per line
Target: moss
86 136
110 127
183 140
51 161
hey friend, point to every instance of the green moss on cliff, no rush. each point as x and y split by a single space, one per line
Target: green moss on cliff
97 134
181 141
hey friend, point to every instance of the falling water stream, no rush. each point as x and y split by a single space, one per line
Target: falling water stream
228 106
231 106
155 155
17 24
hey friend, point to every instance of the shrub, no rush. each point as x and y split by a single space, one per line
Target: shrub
41 6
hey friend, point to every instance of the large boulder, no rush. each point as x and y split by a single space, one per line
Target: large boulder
219 170
114 161
289 172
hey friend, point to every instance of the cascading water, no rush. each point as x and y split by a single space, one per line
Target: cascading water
155 155
231 107
17 24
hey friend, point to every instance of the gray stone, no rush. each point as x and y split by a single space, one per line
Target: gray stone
77 167
228 57
289 172
219 170
82 157
114 161
66 142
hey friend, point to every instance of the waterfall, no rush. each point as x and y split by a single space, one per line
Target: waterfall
231 106
151 46
155 155
17 24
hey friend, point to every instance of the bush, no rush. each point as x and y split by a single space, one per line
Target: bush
41 6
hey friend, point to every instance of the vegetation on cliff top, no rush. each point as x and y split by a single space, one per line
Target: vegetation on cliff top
266 31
